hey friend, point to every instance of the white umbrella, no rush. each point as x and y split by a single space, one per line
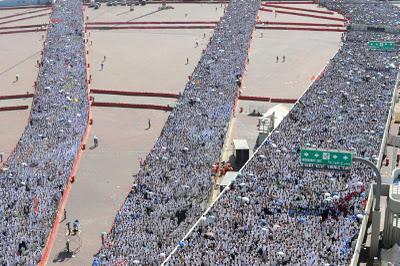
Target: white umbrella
246 199
276 227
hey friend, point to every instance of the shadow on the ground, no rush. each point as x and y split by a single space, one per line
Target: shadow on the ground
63 256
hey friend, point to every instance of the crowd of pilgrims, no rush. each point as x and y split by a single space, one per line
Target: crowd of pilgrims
278 212
34 176
174 184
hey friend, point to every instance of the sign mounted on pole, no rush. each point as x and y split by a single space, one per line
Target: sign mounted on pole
381 46
324 158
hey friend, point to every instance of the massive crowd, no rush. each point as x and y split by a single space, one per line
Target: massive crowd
278 212
173 186
34 176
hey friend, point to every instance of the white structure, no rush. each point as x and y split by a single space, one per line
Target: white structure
391 233
270 120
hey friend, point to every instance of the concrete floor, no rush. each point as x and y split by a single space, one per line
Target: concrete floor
16 58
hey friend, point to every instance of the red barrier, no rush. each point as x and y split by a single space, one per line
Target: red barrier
20 19
21 31
50 241
13 108
189 2
292 2
300 28
24 7
254 98
135 93
300 9
24 13
283 100
304 15
300 24
133 106
168 95
150 27
23 27
16 96
150 22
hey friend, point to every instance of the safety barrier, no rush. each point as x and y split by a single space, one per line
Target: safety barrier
135 93
21 31
16 96
303 15
24 13
291 2
189 2
283 100
301 28
300 24
50 241
13 108
150 22
254 98
23 27
133 106
175 96
300 9
150 27
24 7
20 19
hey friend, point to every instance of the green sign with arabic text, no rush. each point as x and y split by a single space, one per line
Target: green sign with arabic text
326 158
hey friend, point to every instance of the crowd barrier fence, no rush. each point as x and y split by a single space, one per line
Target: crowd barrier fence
149 22
135 93
300 24
24 7
300 9
151 27
23 27
133 106
14 108
20 31
16 96
301 29
304 15
21 19
24 13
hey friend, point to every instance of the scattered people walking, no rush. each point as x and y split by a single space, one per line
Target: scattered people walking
95 141
149 124
16 77
277 59
283 59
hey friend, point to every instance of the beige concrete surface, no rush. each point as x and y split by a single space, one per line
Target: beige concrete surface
104 176
145 60
17 57
180 12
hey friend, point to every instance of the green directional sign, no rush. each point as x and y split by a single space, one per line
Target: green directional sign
381 46
323 158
